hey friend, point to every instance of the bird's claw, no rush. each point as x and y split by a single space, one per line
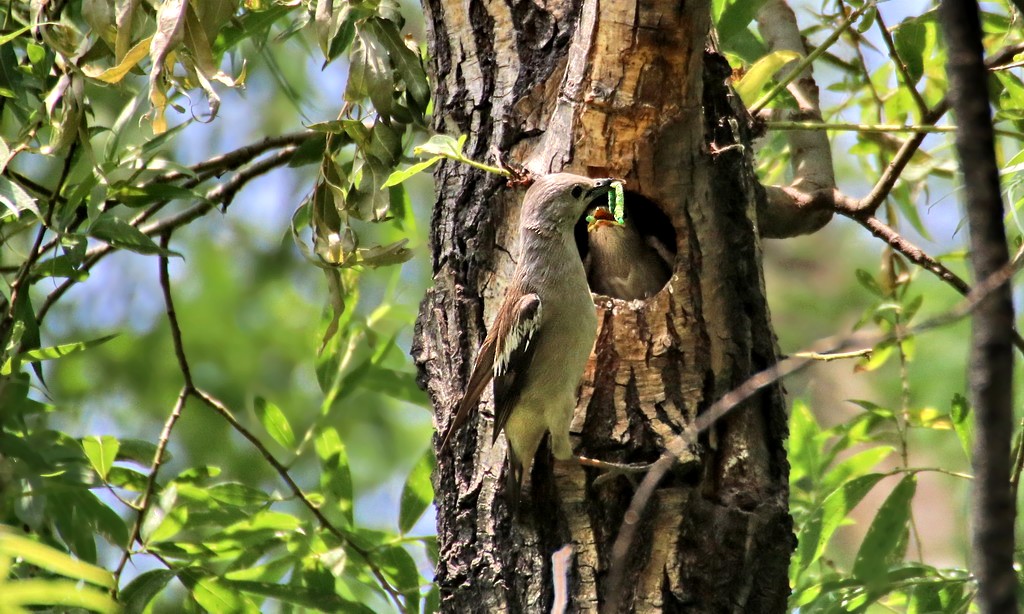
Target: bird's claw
613 470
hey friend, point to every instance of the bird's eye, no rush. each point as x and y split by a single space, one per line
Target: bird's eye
577 191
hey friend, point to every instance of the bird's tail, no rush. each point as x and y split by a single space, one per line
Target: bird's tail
514 481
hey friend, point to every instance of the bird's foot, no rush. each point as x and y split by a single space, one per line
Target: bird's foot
613 470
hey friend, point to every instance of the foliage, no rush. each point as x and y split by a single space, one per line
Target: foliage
97 98
889 72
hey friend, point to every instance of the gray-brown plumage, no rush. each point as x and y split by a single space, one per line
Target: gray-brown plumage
621 262
543 333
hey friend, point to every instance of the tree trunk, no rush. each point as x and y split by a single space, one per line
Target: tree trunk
621 89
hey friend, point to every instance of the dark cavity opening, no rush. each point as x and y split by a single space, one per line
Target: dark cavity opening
631 262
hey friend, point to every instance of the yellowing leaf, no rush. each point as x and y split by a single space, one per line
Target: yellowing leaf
15 545
114 74
170 21
750 85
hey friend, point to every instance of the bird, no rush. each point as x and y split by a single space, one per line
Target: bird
622 263
543 333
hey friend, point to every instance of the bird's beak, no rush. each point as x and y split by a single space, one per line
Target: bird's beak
601 217
601 186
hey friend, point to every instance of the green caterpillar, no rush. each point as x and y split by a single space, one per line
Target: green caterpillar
617 202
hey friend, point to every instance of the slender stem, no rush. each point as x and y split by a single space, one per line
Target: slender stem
901 67
806 61
735 398
850 127
990 373
480 165
828 357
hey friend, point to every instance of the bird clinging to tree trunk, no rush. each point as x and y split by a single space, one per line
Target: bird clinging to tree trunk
543 333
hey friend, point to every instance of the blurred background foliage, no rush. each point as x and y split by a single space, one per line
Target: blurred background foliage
297 295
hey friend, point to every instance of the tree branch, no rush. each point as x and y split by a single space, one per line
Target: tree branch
189 389
172 419
991 364
22 280
901 67
811 157
718 410
221 194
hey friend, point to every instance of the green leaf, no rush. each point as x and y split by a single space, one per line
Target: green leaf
370 74
405 61
382 255
140 452
823 522
275 421
52 352
140 591
399 176
101 452
960 416
335 475
128 479
887 530
804 443
6 38
736 16
399 385
216 595
164 520
138 196
442 145
397 563
299 595
238 494
910 38
855 465
5 154
14 545
417 492
71 595
334 126
16 199
870 283
122 235
750 85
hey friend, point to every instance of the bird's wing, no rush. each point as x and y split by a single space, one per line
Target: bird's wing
513 358
502 351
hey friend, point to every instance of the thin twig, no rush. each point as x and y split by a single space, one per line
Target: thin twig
143 506
282 471
919 257
221 194
852 127
22 280
733 399
901 67
189 389
165 434
827 357
239 157
868 204
808 60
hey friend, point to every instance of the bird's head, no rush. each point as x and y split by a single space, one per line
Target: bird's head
601 216
557 201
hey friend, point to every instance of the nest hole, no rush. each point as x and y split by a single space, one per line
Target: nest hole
631 262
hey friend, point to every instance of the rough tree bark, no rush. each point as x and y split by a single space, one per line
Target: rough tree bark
623 89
